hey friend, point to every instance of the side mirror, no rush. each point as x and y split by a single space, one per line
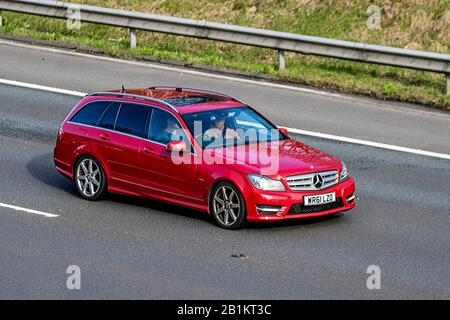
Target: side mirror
284 131
176 146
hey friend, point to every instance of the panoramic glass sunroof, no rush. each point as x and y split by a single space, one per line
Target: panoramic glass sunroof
186 101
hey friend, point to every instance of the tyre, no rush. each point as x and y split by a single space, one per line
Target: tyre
228 206
90 178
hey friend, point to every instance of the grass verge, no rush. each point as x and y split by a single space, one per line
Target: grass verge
378 81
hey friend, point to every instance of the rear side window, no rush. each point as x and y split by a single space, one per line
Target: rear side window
108 119
132 119
90 113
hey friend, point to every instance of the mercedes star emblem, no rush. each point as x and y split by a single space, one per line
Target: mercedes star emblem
318 181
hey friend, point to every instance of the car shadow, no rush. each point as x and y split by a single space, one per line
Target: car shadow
190 213
296 223
42 168
159 206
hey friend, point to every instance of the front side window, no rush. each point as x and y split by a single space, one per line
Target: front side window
165 128
90 113
131 119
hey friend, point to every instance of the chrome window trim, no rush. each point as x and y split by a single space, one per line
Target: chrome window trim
126 134
118 132
109 130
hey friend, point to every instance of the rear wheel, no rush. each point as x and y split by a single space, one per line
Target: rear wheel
90 178
228 206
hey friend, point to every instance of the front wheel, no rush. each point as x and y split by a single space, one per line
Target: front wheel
90 178
228 206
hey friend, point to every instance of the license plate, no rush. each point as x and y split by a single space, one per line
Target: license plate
319 199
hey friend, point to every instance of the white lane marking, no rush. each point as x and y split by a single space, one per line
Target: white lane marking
293 130
370 143
327 94
45 214
42 88
181 70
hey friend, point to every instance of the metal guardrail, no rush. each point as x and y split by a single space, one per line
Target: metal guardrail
281 41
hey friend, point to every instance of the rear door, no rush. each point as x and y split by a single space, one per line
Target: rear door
118 137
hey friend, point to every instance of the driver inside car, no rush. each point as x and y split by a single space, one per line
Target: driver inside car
220 128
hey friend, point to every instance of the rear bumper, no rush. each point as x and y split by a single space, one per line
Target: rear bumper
345 191
64 168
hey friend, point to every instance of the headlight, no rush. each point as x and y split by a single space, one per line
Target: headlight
266 183
344 173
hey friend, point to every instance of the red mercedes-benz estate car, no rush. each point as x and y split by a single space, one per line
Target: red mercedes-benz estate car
197 149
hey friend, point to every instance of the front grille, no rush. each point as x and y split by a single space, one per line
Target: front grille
299 208
304 182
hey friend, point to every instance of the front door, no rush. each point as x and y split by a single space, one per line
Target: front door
163 174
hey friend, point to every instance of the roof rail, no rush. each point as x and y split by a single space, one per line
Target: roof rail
120 94
180 89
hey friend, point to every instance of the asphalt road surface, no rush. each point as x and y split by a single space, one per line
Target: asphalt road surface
134 248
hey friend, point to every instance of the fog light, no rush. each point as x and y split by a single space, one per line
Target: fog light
350 198
266 209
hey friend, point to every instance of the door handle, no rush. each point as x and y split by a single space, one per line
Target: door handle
104 137
149 150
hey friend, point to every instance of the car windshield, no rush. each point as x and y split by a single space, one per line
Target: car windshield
230 127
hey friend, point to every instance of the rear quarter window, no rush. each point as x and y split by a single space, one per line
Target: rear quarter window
90 113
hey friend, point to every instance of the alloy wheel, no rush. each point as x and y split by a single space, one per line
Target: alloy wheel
89 178
226 205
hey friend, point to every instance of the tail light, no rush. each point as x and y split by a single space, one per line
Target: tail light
60 133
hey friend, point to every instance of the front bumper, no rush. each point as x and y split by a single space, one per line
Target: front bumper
291 203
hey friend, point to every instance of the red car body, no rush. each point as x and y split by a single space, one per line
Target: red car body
136 166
